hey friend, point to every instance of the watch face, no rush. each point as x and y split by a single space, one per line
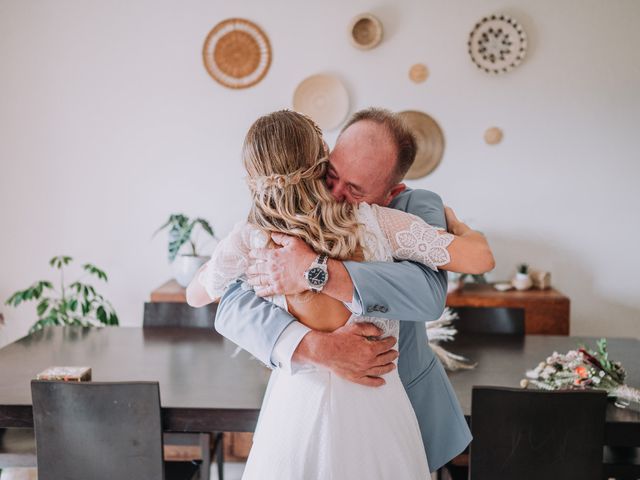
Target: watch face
317 276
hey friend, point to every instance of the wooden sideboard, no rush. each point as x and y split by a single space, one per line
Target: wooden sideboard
169 292
546 312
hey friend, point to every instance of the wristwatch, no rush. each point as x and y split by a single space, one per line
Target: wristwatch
317 275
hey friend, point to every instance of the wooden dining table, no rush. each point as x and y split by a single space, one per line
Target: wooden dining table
207 384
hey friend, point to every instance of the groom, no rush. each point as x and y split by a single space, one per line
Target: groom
371 157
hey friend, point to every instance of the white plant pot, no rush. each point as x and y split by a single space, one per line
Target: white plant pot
184 268
522 281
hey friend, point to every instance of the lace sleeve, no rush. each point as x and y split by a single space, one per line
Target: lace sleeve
228 262
411 238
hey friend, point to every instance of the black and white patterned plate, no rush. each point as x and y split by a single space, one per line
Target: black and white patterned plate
497 44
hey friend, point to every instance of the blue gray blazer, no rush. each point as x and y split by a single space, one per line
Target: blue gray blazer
404 291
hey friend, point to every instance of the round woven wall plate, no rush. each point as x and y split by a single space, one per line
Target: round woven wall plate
237 53
430 142
497 44
324 98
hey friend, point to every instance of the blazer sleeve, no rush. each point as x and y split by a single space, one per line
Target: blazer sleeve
251 322
403 290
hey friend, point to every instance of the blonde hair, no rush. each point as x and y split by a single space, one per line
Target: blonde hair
286 160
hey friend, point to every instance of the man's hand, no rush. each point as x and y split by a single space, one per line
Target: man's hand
280 271
353 352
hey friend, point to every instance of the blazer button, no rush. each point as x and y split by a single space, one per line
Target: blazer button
370 309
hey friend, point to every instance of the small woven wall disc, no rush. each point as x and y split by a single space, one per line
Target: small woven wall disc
493 136
237 53
418 73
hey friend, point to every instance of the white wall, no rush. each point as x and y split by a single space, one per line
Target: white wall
109 123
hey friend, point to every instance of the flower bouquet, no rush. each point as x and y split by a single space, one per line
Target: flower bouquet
584 368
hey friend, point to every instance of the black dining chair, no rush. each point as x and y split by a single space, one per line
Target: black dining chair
181 446
100 430
17 450
533 434
486 320
178 314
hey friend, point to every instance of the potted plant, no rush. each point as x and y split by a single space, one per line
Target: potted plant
522 279
75 303
181 233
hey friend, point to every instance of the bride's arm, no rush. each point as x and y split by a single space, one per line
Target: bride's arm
228 263
411 238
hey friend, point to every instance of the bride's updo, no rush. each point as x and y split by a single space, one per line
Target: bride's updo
286 160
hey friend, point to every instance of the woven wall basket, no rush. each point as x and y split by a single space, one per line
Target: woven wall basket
430 142
237 53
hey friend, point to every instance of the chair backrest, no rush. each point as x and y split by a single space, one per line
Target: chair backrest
173 314
490 320
97 431
533 434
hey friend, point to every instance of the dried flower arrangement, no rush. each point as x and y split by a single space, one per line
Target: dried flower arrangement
581 369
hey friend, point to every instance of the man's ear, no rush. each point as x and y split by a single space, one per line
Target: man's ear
394 192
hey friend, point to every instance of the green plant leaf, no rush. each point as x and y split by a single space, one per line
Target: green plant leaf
101 314
92 269
27 294
59 261
42 307
205 226
14 299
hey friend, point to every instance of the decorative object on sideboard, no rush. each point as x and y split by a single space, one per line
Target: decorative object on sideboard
430 142
584 369
237 53
442 330
522 280
503 286
458 280
418 73
541 280
182 232
493 136
497 44
365 31
66 374
75 303
324 98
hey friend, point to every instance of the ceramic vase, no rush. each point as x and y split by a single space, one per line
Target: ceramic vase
184 268
522 281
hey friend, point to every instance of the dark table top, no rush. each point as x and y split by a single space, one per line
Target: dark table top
202 384
204 388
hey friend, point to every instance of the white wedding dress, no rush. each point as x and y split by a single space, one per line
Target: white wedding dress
314 425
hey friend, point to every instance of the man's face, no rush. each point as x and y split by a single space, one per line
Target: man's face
362 164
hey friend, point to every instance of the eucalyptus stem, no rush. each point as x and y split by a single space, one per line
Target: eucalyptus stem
193 248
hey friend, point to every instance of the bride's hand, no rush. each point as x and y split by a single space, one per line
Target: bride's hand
454 225
280 271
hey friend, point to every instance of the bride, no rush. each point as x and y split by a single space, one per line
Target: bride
314 424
